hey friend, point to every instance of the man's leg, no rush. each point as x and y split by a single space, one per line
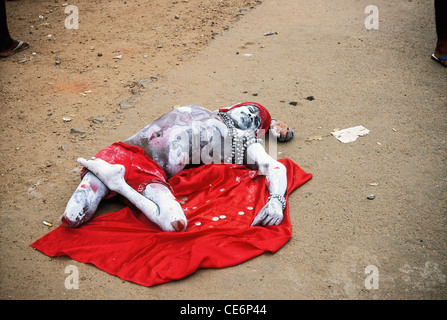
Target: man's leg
7 44
441 29
85 200
112 175
170 211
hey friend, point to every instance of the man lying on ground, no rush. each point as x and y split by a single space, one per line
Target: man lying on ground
137 168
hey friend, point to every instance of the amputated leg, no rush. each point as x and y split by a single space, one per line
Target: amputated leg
84 202
170 212
112 175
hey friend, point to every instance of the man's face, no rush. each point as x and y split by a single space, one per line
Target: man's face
246 117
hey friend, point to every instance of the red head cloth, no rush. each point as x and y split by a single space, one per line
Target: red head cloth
263 113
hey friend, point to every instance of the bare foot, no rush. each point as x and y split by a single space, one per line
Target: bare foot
112 175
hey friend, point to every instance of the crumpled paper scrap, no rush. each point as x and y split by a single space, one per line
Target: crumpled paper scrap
350 134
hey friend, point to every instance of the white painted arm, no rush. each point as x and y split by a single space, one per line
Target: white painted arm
276 181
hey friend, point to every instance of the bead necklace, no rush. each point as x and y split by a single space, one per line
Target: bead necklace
240 140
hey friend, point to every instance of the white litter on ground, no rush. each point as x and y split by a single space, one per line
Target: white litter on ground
350 134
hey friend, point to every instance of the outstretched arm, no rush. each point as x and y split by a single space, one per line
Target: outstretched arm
276 182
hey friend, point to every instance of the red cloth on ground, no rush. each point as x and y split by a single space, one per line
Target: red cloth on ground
126 244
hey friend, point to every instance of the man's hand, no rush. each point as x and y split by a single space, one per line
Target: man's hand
282 131
270 215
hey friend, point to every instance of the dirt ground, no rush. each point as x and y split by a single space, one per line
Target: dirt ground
75 91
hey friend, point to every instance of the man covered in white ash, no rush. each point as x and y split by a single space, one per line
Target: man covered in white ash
138 168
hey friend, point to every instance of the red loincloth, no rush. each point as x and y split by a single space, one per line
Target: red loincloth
126 244
140 170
